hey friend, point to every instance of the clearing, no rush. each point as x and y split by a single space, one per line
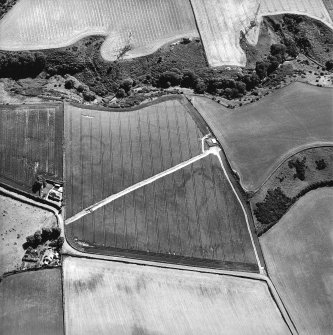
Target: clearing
259 136
17 221
110 150
31 140
220 24
111 297
133 28
298 254
190 216
31 303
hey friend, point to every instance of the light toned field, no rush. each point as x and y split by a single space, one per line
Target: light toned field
43 24
220 23
298 253
259 136
31 303
17 221
113 298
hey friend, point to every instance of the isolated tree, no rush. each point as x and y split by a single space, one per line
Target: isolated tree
329 65
69 83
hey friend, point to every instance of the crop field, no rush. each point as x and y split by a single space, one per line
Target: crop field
134 299
31 303
329 7
143 25
108 151
31 139
298 253
220 23
189 216
258 137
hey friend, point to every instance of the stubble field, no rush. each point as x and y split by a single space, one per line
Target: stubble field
298 254
258 137
31 303
191 216
31 140
108 150
115 298
143 25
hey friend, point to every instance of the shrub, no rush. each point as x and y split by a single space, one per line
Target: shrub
251 81
88 95
278 49
329 65
69 83
299 167
200 87
261 69
121 93
126 84
38 237
55 233
321 164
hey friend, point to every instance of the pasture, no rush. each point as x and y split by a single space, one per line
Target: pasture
17 221
31 303
31 139
220 24
190 216
138 26
298 253
260 136
110 150
116 298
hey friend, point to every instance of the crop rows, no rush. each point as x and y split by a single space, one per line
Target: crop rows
31 140
192 213
108 151
37 24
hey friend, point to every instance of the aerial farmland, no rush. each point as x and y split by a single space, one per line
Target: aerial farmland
166 167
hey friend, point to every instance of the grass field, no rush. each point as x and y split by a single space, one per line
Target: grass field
259 136
143 25
31 139
189 216
108 151
17 221
220 23
298 253
31 303
116 298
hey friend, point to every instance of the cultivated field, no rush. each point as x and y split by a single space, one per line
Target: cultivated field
220 23
143 25
31 303
259 136
31 139
329 7
17 221
116 298
189 216
108 151
298 253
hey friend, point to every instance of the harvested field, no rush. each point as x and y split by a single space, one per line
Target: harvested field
116 298
298 253
190 216
110 150
259 136
31 139
220 23
138 26
17 221
31 303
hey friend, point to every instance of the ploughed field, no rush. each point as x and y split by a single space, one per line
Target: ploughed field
134 299
259 136
31 303
190 216
110 150
140 26
298 254
31 143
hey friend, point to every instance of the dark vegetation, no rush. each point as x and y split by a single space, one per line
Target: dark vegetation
46 234
276 204
321 164
299 166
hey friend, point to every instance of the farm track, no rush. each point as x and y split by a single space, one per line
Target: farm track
31 143
70 251
153 23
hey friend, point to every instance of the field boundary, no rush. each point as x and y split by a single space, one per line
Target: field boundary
68 250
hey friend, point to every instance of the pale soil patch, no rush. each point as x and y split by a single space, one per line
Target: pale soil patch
298 252
17 221
220 24
144 25
113 298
